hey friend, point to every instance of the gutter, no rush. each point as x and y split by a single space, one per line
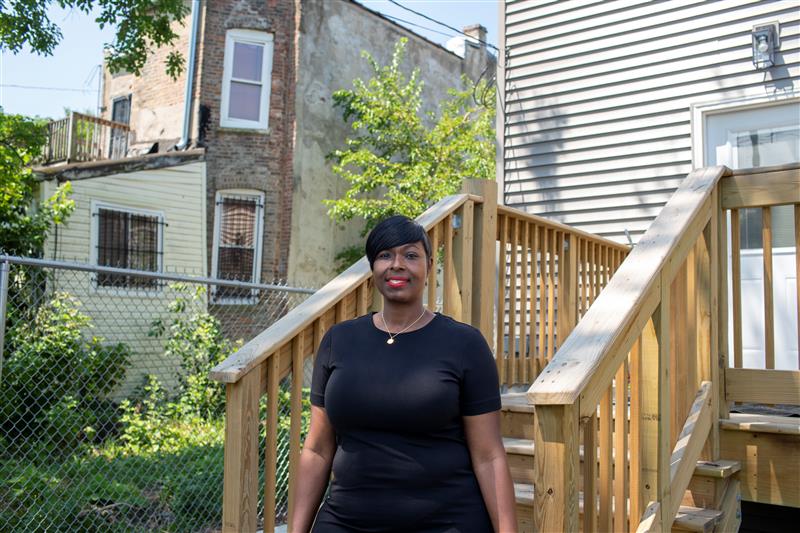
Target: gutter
187 98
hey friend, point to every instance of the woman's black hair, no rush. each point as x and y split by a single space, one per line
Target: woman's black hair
395 231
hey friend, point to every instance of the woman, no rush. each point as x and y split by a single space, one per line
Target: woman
405 410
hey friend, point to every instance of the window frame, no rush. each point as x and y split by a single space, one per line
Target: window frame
258 239
252 37
94 237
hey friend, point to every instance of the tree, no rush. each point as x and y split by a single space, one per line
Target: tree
141 26
400 162
23 226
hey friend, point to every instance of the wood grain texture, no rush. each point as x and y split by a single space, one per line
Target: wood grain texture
296 417
271 444
769 305
762 386
766 188
595 349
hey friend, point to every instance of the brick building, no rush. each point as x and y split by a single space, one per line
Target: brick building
261 84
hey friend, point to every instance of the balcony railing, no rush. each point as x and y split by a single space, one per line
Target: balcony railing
79 138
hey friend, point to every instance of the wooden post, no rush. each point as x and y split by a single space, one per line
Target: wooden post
556 463
71 136
647 424
719 307
241 454
484 256
662 321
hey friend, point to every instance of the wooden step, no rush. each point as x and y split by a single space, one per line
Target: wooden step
754 423
687 519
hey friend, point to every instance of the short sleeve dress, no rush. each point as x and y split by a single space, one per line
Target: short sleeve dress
402 462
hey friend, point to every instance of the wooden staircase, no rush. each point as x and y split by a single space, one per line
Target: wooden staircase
624 355
711 503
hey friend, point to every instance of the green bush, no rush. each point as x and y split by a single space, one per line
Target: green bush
54 373
197 341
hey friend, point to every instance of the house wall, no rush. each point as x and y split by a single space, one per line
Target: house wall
332 34
157 99
121 315
598 99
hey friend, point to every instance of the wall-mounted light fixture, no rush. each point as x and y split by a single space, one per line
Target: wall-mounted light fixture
766 39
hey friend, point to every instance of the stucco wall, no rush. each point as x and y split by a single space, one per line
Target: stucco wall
332 35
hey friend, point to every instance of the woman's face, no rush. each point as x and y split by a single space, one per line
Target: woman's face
400 272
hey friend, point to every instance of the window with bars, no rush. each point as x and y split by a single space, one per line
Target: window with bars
237 243
247 72
131 240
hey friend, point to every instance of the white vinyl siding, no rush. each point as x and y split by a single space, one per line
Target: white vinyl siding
598 96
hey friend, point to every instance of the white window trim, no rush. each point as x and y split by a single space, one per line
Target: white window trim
701 111
94 235
255 37
259 237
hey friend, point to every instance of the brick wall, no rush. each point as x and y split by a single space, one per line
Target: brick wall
244 159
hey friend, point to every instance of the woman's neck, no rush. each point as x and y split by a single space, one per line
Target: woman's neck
402 314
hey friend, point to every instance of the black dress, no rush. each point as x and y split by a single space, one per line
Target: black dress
402 462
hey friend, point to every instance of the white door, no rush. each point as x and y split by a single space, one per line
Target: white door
759 137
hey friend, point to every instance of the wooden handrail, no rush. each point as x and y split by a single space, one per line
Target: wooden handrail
267 343
552 224
101 121
590 357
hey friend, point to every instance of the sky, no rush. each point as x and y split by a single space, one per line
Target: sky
69 79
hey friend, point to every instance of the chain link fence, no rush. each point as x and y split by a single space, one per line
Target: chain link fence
108 421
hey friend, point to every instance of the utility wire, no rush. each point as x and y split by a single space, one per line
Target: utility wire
40 88
401 6
397 19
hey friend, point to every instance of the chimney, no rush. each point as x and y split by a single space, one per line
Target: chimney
477 32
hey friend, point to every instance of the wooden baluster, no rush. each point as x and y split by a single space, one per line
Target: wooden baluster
769 309
536 273
606 462
797 270
592 272
462 263
556 468
706 365
362 299
736 287
621 474
568 282
719 305
678 341
664 448
543 299
271 445
590 474
501 298
512 304
636 442
551 295
451 306
523 300
296 414
586 268
434 238
240 485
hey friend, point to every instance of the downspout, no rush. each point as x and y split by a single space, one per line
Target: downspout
187 99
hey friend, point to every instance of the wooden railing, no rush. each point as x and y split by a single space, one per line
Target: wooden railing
80 137
463 230
551 274
640 382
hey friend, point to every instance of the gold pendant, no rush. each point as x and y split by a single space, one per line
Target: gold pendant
390 341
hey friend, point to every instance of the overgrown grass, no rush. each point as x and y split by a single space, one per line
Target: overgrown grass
107 488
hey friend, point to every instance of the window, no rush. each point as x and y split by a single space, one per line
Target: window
125 238
238 223
246 79
120 112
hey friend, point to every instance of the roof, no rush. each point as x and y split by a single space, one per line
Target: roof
96 169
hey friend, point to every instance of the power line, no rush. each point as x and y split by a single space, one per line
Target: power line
40 88
401 6
397 19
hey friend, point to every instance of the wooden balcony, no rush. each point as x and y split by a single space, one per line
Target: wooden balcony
625 424
80 138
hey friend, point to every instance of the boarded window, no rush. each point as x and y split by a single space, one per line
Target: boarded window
127 240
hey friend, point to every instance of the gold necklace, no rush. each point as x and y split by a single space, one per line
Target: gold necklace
391 337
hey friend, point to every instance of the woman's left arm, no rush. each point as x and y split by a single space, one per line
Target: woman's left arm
491 469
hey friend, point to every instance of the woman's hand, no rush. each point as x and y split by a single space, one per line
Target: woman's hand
314 470
491 469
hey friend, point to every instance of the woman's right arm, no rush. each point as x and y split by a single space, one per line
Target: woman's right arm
314 470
